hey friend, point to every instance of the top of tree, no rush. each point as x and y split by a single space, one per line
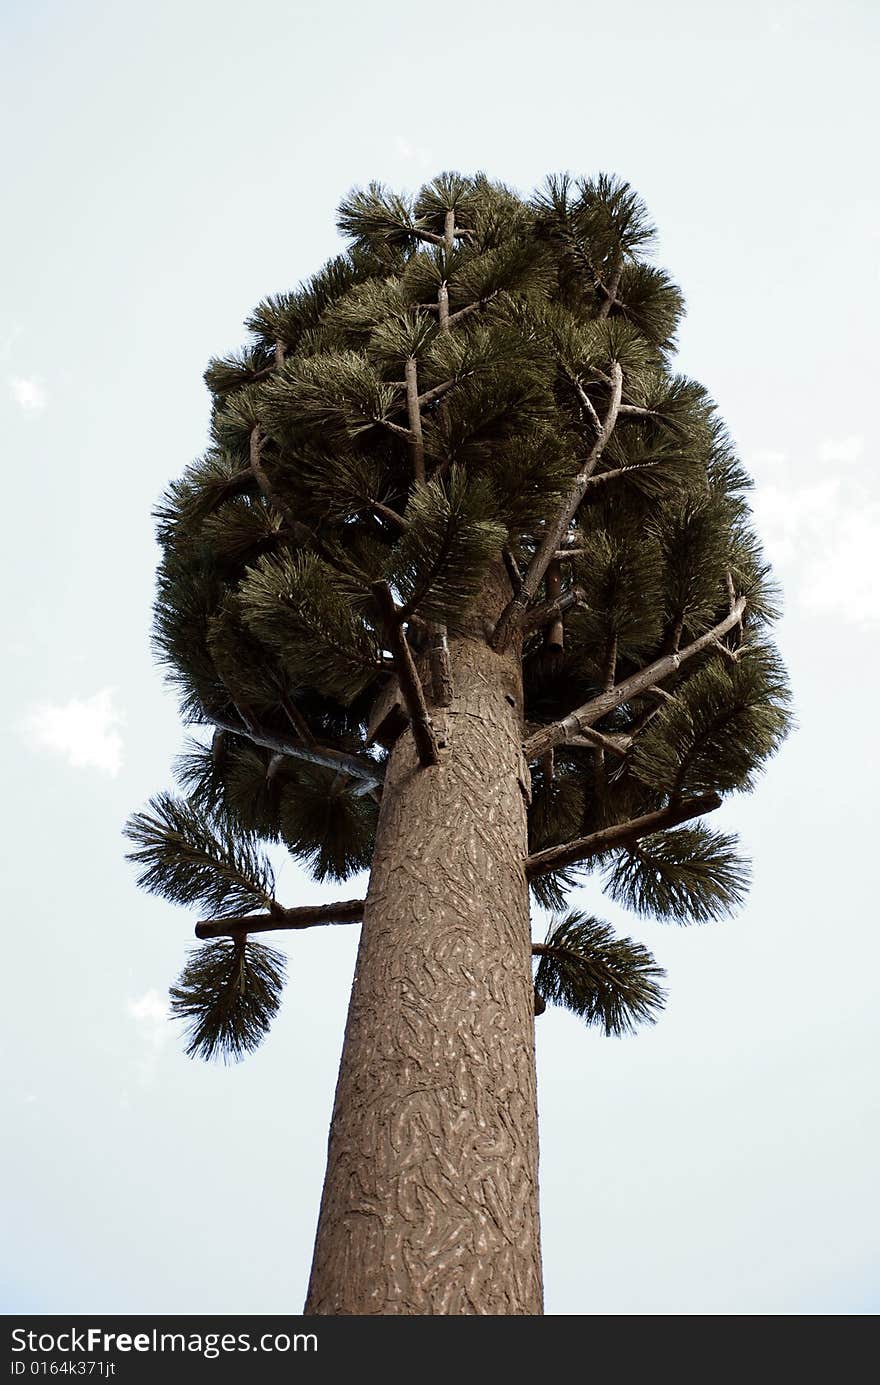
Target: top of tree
478 376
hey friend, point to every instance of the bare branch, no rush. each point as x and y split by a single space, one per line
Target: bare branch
431 237
554 634
513 571
622 834
385 512
301 532
556 530
408 677
612 289
358 766
643 681
442 685
438 391
603 476
542 615
308 916
472 308
443 306
396 428
586 401
297 720
589 738
414 414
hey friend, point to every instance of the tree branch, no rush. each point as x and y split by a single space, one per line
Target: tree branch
611 291
603 476
407 677
438 391
582 848
513 571
300 532
549 611
554 633
414 415
358 766
308 916
472 308
586 401
589 738
555 531
396 428
582 717
442 685
385 512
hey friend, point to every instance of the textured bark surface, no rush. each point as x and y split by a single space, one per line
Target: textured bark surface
430 1202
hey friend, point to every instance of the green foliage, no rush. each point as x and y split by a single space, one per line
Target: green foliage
293 604
623 578
557 809
204 486
244 528
265 616
324 823
451 537
338 394
652 303
185 857
228 992
692 534
377 215
608 981
227 373
199 770
294 318
689 874
188 591
724 721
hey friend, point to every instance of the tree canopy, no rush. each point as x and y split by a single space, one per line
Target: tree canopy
479 378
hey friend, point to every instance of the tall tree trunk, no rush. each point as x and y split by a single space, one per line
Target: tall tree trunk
430 1201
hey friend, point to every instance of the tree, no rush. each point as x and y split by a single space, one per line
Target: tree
466 587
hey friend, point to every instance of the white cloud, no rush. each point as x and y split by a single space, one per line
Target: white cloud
413 153
845 450
29 395
788 519
843 579
767 458
150 1013
821 529
84 731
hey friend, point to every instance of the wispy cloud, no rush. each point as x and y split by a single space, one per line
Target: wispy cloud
412 153
820 524
85 731
150 1013
29 394
845 450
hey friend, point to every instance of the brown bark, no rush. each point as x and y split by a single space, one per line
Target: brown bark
554 635
417 446
430 1202
305 916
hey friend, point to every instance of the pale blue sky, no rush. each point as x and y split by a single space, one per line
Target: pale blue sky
166 166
